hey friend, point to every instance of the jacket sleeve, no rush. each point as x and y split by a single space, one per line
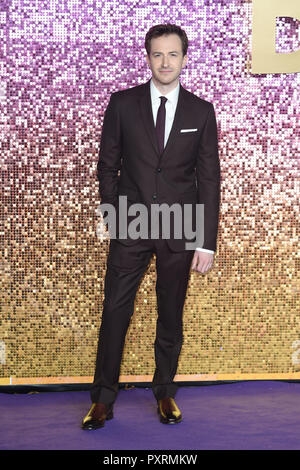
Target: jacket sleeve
208 179
110 153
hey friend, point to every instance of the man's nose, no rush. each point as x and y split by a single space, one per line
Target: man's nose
165 61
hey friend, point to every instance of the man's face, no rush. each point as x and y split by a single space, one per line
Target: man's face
166 59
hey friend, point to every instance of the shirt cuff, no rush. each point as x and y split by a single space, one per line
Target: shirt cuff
204 249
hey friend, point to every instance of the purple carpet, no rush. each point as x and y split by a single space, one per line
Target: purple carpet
253 415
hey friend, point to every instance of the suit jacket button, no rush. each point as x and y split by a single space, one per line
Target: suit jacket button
158 170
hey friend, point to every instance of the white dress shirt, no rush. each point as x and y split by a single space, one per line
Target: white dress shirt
171 104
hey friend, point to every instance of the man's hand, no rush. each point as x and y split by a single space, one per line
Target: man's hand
202 261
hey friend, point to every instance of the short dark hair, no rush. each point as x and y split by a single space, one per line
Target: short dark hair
161 29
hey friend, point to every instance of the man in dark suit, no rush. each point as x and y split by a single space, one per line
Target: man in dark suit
158 145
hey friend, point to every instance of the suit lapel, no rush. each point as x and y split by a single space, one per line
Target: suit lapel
147 117
180 112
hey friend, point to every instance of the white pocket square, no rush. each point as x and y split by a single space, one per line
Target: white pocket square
188 130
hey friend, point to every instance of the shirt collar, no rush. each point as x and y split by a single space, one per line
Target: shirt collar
172 96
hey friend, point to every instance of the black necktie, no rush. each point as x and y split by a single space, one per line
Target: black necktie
160 124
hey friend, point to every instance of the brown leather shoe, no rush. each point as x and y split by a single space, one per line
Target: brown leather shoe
97 415
168 411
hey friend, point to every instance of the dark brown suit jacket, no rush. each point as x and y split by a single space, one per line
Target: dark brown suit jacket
188 170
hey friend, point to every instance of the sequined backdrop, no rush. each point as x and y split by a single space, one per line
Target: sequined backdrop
60 61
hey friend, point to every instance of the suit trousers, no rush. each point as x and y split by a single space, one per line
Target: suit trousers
126 265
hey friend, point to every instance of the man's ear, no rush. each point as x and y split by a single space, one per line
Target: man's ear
185 59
